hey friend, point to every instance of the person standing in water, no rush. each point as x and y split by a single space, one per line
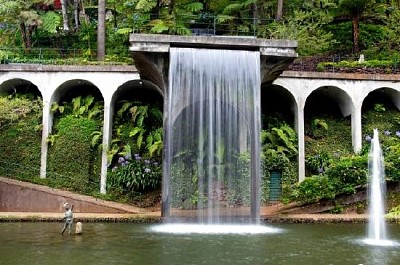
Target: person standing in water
68 218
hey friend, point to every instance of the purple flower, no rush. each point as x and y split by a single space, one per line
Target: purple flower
386 132
128 156
147 170
155 164
137 158
398 133
368 138
135 155
147 161
121 160
321 170
114 168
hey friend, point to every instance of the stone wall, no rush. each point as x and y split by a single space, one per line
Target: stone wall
18 196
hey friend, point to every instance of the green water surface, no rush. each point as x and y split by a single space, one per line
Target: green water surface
128 243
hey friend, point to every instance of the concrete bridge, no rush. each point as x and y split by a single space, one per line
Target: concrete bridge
149 75
348 91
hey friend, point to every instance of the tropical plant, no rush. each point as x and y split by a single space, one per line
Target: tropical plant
281 139
133 175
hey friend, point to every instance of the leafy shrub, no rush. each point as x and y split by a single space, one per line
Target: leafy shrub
78 166
20 137
134 175
392 162
348 173
313 189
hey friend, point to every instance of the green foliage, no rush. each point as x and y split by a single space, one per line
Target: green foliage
51 22
348 173
138 126
313 189
20 146
279 154
281 139
81 172
355 64
306 29
394 212
319 162
16 108
134 175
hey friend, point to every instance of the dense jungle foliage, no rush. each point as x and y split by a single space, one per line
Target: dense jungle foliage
70 29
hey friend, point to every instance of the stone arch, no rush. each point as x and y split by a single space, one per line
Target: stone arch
325 107
17 85
141 89
73 88
380 104
330 99
65 92
278 99
385 95
21 152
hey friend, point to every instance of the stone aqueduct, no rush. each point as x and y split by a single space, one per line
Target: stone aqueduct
289 92
348 91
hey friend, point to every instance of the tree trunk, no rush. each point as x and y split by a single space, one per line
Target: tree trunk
76 14
356 33
101 30
64 14
23 34
279 10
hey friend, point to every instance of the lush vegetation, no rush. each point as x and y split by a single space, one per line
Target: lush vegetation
333 172
20 135
71 31
41 31
135 154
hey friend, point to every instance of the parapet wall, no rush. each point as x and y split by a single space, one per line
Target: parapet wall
18 196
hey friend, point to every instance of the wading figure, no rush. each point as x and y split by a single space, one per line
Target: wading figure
68 218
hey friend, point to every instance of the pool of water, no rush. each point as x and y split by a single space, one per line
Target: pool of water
145 244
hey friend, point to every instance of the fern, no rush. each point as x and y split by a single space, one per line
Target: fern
51 22
124 31
194 7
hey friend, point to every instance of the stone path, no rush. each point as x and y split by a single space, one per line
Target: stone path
155 216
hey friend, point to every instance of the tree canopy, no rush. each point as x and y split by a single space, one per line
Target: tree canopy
335 26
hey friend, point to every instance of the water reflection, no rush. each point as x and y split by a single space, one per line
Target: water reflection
126 243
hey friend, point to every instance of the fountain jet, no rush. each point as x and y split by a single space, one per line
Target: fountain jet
377 234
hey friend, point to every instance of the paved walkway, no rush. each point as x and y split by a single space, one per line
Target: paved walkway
155 216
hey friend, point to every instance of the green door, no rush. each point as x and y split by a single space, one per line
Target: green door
275 187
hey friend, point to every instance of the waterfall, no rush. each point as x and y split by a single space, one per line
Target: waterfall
377 191
212 135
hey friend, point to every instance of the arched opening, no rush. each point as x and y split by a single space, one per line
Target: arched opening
279 142
137 142
380 110
20 133
77 110
327 128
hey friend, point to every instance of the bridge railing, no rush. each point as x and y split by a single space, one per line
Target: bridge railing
345 63
203 25
44 55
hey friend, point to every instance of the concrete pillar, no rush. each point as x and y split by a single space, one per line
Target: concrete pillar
107 136
299 120
356 128
47 122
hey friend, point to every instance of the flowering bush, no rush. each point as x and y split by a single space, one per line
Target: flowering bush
134 174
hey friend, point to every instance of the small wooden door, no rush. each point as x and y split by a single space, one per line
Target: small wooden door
275 186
